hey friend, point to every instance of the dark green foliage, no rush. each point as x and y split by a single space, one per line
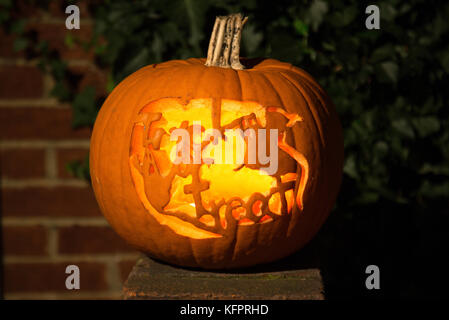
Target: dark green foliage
79 169
388 85
391 91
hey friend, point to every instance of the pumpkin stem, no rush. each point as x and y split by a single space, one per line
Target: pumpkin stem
224 44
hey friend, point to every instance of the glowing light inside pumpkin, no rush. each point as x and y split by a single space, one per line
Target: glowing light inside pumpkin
225 181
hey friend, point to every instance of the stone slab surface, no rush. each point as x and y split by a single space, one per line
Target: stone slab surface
151 279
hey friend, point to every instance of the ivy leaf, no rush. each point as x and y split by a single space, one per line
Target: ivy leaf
388 72
344 17
316 13
60 91
435 169
4 16
387 11
251 39
432 190
69 41
110 83
20 44
328 46
84 108
404 128
444 59
301 27
381 148
426 125
18 26
382 53
366 198
135 63
79 169
350 168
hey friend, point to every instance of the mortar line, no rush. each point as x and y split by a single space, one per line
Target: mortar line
32 144
51 163
47 183
52 242
56 295
71 258
47 102
55 222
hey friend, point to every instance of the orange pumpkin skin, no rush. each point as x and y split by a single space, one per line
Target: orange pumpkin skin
268 83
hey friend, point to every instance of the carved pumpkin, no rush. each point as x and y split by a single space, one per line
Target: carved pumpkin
206 214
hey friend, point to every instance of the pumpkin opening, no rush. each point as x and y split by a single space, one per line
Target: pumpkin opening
213 192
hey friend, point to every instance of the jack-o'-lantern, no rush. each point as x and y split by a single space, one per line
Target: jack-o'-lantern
258 169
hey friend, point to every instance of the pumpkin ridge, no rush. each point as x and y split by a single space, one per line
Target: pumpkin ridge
319 93
242 77
256 89
195 74
309 92
136 84
308 107
239 81
193 250
304 76
99 142
295 87
264 75
126 149
321 169
300 170
315 88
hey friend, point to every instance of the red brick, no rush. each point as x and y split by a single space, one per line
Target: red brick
20 82
57 8
65 156
125 268
44 277
54 8
24 240
22 163
49 202
25 9
39 123
81 239
55 35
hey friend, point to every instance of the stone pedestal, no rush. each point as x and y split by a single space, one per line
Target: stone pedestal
286 279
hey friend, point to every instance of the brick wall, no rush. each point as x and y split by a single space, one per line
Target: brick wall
50 219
